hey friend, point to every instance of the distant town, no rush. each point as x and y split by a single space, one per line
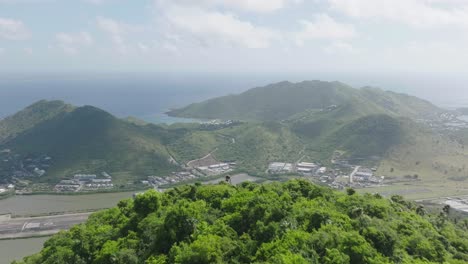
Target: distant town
339 174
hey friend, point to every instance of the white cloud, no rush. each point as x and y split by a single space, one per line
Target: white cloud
12 29
2 50
415 13
323 27
117 31
72 42
210 27
260 6
339 47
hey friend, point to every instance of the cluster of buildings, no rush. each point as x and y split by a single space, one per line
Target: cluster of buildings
6 188
447 121
340 176
216 169
174 178
360 177
17 166
85 182
280 168
191 174
218 124
364 175
304 168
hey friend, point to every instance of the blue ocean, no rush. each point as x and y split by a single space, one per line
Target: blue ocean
147 96
144 96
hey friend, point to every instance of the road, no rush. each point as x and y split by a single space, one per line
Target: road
206 156
35 226
353 173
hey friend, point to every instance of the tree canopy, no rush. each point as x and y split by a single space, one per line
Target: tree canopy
292 222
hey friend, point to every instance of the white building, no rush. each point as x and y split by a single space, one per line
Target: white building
280 167
306 167
322 170
101 180
84 176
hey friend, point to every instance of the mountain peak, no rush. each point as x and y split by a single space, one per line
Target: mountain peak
285 99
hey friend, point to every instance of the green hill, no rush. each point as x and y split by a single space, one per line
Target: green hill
89 140
293 222
255 145
31 116
318 119
368 136
283 100
309 120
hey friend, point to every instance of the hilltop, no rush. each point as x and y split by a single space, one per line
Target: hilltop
30 116
293 222
283 100
321 116
86 139
410 141
398 136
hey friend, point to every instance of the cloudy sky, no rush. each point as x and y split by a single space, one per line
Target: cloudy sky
234 35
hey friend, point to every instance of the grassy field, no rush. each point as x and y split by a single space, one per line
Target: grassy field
440 164
421 189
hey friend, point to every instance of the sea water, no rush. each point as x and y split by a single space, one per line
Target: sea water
144 96
148 96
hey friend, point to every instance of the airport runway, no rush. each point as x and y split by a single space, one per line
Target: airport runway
36 226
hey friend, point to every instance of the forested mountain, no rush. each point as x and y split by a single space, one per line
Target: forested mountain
87 139
287 121
292 222
282 100
31 116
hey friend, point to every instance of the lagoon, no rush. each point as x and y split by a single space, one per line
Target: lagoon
18 248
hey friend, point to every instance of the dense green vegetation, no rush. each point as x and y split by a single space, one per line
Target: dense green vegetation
283 100
257 145
287 122
292 222
88 139
368 136
31 116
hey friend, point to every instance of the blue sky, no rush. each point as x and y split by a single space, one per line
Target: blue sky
234 35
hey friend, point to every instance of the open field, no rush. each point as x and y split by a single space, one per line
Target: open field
456 202
421 189
205 161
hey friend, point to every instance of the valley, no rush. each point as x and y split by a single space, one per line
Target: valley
363 138
59 163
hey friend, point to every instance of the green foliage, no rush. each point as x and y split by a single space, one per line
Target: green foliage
31 116
257 144
273 102
293 222
368 136
147 202
87 139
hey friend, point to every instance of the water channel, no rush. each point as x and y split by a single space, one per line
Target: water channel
44 204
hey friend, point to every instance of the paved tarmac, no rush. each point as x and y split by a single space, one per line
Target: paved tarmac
37 226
